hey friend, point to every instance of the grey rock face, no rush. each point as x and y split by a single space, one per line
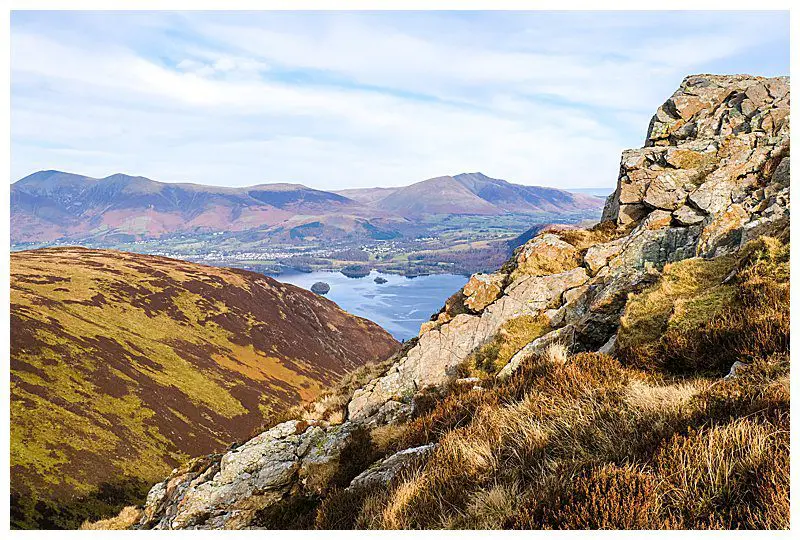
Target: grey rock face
227 492
686 215
597 256
433 361
711 144
563 335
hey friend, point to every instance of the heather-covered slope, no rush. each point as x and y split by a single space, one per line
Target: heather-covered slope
631 375
124 365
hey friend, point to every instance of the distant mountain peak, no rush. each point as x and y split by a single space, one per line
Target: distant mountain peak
477 174
123 176
48 176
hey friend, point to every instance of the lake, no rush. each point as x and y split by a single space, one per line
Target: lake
400 305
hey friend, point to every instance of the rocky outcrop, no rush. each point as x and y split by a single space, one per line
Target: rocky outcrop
434 359
546 254
226 491
714 173
715 150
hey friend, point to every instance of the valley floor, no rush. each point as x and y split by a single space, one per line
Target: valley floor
449 244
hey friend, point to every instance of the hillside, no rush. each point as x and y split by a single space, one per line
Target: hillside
124 365
524 199
443 195
472 193
49 205
629 376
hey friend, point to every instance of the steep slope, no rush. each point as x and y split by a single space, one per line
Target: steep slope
123 365
442 195
524 199
632 375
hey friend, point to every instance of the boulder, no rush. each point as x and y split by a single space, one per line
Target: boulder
724 233
545 254
227 493
384 471
665 191
483 289
630 214
610 346
687 215
657 219
735 368
598 255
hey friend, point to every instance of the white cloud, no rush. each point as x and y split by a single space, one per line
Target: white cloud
350 100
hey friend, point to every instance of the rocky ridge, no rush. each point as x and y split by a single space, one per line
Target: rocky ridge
713 174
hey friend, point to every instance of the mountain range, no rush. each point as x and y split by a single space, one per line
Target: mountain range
54 205
470 193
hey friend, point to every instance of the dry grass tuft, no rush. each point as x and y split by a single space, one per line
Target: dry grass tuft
705 314
126 519
730 477
387 438
490 508
556 353
512 336
590 443
653 440
394 514
642 395
603 232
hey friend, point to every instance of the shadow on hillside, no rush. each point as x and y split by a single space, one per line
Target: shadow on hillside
28 512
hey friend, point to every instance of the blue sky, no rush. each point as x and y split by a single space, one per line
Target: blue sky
359 99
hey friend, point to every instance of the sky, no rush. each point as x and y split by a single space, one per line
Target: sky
339 100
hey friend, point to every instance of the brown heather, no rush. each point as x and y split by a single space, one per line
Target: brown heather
123 365
652 441
705 314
